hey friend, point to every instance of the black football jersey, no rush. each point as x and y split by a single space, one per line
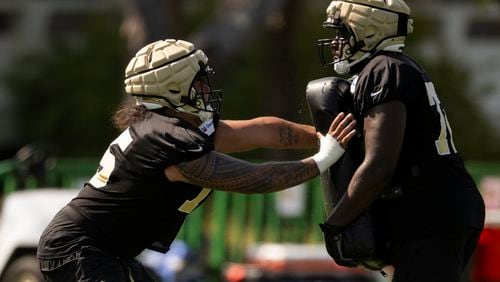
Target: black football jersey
430 170
129 202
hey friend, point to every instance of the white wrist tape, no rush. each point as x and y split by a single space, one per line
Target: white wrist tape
329 152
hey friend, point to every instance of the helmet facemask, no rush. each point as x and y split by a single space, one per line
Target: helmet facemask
202 97
343 49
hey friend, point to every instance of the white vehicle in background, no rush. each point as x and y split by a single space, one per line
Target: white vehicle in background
23 217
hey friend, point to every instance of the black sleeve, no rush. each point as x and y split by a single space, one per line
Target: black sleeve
383 80
163 141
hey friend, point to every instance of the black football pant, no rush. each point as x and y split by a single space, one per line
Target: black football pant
437 257
91 264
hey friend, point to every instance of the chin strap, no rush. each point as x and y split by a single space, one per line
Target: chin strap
343 67
204 116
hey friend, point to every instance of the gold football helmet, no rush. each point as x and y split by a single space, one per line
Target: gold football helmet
172 73
364 27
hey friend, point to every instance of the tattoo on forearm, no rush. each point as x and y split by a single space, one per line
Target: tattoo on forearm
222 172
288 137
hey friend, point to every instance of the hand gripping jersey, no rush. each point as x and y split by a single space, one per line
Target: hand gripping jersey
129 204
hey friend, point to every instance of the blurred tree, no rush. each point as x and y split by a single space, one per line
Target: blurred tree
264 52
282 70
147 21
234 25
225 30
65 96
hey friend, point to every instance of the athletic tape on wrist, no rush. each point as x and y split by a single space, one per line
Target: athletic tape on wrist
329 152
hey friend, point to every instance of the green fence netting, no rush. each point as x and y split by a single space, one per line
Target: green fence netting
227 223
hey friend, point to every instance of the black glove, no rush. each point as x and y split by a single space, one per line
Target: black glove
333 242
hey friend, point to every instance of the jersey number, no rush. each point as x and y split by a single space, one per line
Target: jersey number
190 205
107 163
445 139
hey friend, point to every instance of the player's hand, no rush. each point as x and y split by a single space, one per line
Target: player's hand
333 144
343 129
333 243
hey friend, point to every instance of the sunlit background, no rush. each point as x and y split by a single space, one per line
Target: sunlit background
61 78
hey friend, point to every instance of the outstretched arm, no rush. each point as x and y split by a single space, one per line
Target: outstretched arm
221 172
263 132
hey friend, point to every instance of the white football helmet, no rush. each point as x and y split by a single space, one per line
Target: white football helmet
362 28
172 73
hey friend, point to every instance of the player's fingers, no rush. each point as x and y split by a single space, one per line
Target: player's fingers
335 123
335 132
347 129
345 141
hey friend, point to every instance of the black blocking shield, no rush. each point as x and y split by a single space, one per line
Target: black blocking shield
327 97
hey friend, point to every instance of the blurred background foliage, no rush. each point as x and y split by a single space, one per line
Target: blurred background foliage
65 95
453 83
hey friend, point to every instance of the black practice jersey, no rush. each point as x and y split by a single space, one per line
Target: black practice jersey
129 204
437 187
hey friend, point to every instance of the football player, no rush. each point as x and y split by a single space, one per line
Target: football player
410 176
169 157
